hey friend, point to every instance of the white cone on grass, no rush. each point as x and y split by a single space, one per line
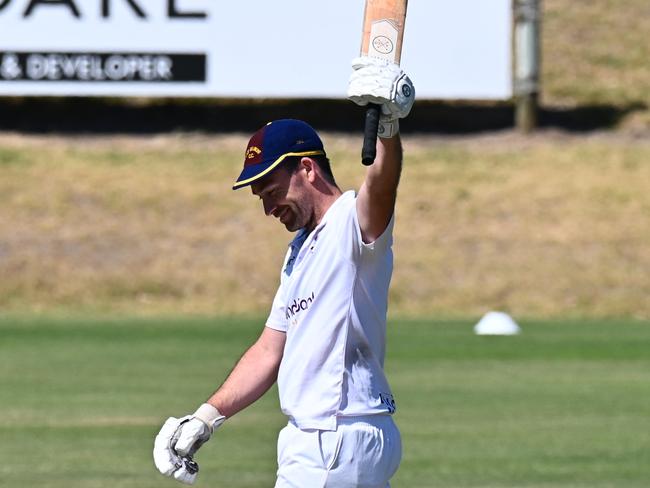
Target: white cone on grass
496 323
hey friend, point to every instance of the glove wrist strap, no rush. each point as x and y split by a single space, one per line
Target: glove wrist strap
388 128
210 416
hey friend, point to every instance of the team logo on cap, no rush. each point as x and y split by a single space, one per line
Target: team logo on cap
252 152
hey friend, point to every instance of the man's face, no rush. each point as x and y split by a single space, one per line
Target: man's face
283 196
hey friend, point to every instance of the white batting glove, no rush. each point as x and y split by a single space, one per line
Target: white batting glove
384 83
179 439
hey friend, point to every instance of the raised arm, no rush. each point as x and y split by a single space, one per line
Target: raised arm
384 83
376 199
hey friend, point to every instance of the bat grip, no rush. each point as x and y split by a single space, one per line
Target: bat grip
369 150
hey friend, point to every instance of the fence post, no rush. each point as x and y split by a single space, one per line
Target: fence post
527 63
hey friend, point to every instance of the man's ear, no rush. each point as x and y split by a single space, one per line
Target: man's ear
309 166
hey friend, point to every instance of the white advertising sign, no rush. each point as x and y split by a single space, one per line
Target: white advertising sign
248 48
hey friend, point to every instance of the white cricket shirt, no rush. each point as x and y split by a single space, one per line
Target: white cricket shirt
332 304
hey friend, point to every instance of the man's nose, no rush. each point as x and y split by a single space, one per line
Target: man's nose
268 207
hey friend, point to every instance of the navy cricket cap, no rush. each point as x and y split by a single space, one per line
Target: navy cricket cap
275 142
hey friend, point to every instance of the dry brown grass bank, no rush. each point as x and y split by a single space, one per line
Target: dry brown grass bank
547 226
597 53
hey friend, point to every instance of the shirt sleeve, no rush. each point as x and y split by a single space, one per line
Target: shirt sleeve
359 248
278 317
383 242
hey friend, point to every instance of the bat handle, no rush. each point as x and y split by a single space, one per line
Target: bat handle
369 150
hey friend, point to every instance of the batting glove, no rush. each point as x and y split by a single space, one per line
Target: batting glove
179 439
384 83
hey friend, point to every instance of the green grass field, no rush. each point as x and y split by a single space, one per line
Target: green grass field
562 405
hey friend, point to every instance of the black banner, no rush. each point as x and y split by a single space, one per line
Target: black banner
102 67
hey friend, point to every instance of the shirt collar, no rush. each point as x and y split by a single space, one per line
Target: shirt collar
302 234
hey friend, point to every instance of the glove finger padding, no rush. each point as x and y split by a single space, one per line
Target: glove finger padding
371 80
189 436
164 457
381 82
167 459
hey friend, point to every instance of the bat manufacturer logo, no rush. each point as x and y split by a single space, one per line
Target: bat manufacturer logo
383 45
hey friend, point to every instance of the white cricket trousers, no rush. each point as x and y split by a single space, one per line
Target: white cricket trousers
364 452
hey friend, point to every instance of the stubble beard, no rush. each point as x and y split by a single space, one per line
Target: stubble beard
290 219
296 219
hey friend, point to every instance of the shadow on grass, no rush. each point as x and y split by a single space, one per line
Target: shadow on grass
108 116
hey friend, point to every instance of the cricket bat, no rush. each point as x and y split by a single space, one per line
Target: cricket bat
383 32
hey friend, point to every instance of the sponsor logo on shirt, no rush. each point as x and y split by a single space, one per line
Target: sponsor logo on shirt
298 305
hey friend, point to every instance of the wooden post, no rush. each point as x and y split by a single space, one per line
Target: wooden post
527 63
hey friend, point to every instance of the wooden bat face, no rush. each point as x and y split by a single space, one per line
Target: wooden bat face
383 29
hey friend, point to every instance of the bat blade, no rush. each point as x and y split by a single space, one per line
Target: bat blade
383 29
383 33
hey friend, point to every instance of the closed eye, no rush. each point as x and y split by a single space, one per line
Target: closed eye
274 192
